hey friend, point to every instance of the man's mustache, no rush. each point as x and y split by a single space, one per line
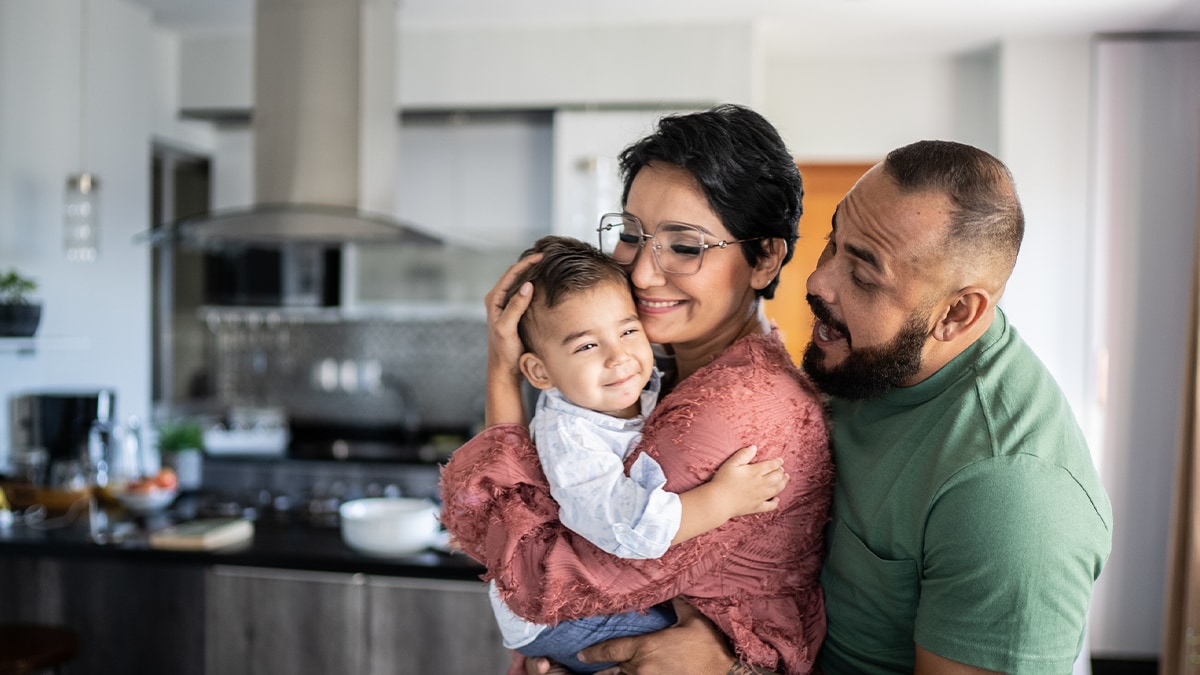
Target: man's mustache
825 315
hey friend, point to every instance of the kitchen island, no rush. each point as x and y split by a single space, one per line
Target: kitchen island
292 600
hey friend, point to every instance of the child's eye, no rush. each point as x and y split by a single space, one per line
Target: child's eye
630 331
585 347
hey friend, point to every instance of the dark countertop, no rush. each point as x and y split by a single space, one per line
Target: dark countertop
287 545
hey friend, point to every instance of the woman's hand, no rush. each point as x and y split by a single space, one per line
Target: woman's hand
693 645
504 404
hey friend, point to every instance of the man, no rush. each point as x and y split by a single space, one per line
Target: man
969 525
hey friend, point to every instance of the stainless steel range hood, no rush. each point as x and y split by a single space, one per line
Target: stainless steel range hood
325 133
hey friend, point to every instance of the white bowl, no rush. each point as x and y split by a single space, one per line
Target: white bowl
389 526
146 502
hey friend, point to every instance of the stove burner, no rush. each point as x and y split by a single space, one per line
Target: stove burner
318 509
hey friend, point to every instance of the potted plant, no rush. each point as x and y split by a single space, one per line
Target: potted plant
19 315
181 446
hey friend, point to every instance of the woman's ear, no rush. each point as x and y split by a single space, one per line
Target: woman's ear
768 265
534 370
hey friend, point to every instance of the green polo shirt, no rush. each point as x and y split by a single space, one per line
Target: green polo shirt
968 518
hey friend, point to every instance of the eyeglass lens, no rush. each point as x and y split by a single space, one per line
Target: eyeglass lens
679 248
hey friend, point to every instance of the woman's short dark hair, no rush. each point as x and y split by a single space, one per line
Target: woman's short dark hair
742 165
568 266
987 223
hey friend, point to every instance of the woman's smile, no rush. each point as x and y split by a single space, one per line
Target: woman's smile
651 306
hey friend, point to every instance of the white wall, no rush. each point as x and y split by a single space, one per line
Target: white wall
233 167
520 68
856 110
103 307
168 126
1045 108
1147 142
597 65
216 72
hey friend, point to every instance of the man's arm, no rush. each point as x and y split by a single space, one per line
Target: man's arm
693 645
928 663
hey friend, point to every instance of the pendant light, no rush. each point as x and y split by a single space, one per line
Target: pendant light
81 221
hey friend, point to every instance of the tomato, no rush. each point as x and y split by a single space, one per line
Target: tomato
166 479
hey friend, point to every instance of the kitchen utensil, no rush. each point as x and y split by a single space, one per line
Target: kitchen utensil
389 526
147 502
58 421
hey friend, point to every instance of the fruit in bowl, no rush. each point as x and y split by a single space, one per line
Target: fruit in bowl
150 494
165 479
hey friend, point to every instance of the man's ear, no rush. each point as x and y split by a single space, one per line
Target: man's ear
967 309
535 371
768 266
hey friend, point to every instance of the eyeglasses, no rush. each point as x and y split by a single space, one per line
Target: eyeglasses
678 247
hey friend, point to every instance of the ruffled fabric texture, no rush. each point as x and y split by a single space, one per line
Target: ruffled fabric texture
756 577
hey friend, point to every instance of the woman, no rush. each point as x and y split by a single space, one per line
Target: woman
723 180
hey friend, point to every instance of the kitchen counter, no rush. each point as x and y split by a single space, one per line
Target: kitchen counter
294 600
281 545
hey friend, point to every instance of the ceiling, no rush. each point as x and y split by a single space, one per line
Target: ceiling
842 27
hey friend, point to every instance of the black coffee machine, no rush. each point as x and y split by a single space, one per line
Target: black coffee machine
59 421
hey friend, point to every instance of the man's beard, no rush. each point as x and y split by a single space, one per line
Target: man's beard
868 372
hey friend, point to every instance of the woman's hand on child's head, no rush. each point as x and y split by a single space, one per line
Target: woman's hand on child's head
504 344
746 486
504 404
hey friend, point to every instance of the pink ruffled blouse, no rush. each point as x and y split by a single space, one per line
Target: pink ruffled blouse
756 577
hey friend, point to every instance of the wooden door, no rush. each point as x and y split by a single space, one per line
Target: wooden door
824 187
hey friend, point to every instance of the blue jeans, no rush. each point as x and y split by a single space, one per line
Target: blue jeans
560 643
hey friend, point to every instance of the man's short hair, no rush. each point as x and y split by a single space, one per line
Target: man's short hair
987 223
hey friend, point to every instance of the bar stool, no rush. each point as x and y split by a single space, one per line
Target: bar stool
27 648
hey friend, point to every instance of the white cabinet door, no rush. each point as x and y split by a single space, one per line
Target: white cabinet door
586 146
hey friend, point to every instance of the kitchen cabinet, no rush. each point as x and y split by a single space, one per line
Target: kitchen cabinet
140 616
432 626
262 621
586 179
265 621
133 618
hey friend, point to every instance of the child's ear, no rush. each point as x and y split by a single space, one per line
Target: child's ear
535 371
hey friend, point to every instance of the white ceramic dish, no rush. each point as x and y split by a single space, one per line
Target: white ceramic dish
146 502
389 526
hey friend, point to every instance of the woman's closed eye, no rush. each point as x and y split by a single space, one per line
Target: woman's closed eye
688 249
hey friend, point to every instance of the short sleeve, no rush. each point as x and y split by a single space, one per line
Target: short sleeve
1012 548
